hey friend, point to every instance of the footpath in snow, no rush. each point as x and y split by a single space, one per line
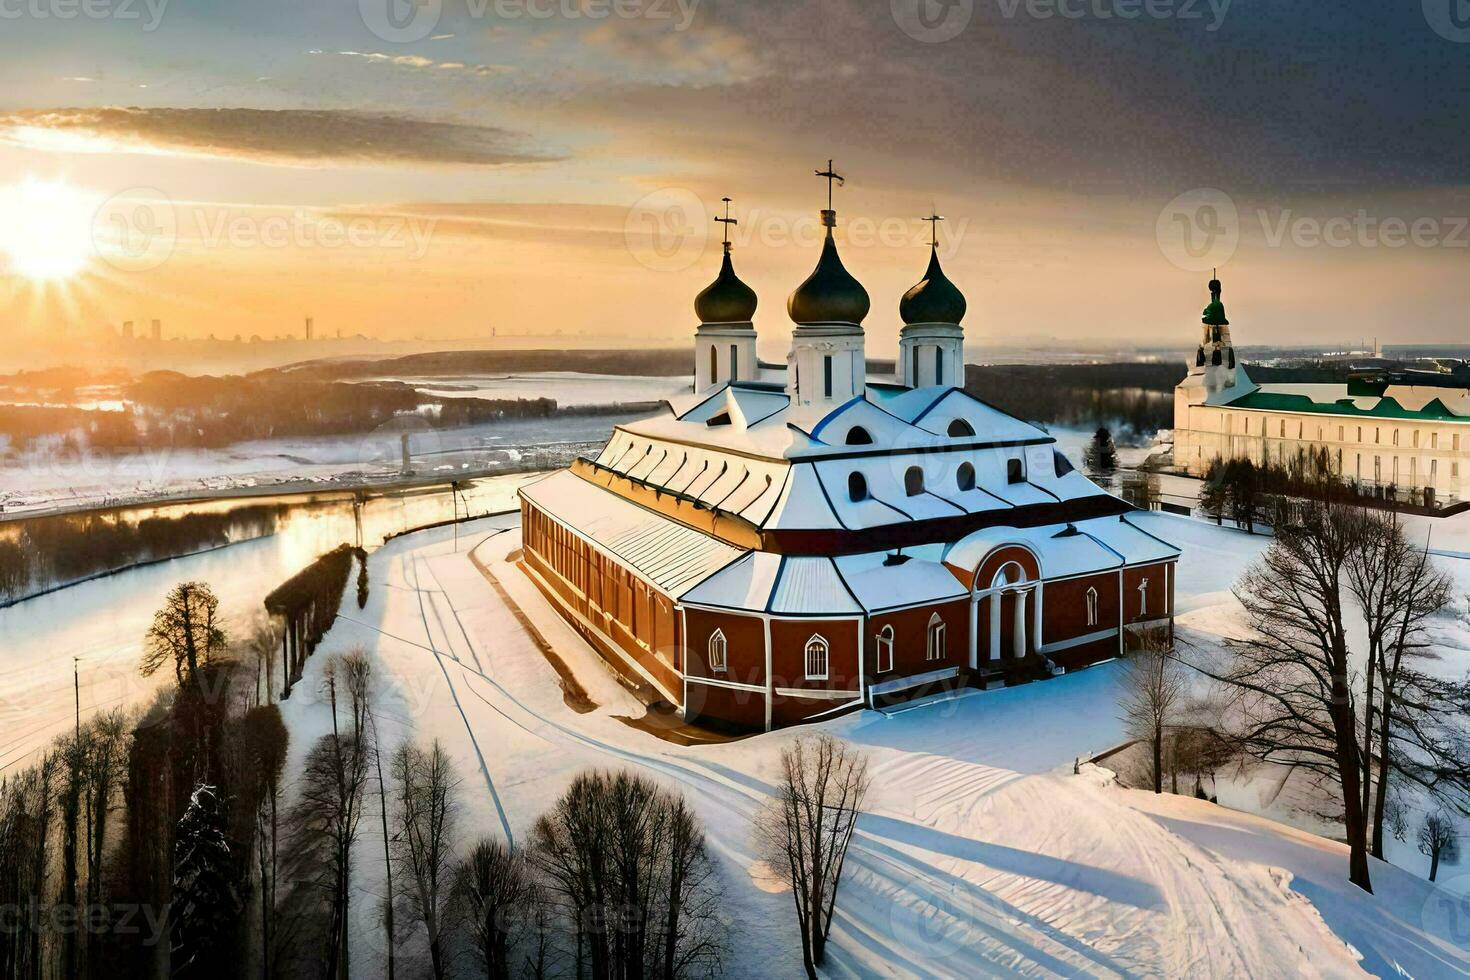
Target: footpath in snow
982 854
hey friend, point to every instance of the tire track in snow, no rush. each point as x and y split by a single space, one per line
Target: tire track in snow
469 729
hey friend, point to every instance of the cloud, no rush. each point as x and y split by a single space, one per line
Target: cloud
419 61
286 136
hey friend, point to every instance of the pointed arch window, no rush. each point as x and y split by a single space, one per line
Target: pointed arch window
935 648
1092 607
816 658
885 649
964 477
714 364
913 481
857 487
717 663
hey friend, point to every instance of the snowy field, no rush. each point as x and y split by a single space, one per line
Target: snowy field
982 854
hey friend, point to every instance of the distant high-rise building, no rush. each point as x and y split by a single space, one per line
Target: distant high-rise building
127 330
157 330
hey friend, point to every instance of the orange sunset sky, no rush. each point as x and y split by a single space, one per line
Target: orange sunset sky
442 169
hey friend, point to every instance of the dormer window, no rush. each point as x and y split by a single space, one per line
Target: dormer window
965 477
959 429
1015 471
913 481
859 436
723 418
857 487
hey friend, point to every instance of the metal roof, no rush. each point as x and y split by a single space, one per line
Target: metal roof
668 554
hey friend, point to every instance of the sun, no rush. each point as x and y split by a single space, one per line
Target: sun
46 228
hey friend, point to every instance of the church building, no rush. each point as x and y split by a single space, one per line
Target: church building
1403 435
783 545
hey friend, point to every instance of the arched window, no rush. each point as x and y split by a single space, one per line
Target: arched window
885 649
1092 607
859 436
964 478
816 659
1015 471
717 652
959 428
913 481
935 648
1010 573
1143 598
857 487
714 364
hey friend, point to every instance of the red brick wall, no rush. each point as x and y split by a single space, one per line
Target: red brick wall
1160 601
788 653
911 637
709 703
1064 607
745 646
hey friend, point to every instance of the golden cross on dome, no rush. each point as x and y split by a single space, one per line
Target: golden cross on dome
933 220
727 221
830 175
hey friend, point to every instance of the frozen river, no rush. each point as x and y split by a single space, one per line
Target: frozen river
102 622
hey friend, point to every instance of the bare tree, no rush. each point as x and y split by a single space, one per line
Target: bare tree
424 787
1154 684
1291 676
494 892
1398 589
627 862
324 825
1439 841
1396 818
805 833
185 631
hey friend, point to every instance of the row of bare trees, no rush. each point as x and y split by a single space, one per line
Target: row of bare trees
1367 724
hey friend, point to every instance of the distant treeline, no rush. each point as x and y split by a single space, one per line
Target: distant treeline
1138 397
49 551
177 411
660 363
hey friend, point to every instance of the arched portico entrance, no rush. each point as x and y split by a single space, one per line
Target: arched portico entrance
1004 609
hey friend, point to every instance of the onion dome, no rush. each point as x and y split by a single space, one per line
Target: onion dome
934 299
727 299
1215 313
830 294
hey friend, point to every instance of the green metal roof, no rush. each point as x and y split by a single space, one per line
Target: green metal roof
1386 408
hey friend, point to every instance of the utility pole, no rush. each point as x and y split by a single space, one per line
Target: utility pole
76 685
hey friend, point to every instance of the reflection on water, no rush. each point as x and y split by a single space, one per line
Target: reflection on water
102 622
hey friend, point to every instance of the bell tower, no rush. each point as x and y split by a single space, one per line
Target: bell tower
1215 358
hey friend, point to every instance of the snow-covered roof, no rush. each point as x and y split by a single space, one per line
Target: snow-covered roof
880 586
668 554
1065 550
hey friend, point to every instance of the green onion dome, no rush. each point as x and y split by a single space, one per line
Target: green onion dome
1215 313
934 299
830 294
727 299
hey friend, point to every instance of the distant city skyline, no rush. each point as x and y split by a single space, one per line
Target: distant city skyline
444 170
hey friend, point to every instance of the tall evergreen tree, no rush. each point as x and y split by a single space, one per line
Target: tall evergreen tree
205 900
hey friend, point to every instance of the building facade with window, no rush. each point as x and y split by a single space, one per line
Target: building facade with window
782 545
1404 434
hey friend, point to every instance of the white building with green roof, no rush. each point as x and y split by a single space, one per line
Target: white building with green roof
1406 434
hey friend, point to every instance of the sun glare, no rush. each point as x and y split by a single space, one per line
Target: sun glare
46 228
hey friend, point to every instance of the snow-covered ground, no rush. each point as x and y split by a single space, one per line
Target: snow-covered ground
982 854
